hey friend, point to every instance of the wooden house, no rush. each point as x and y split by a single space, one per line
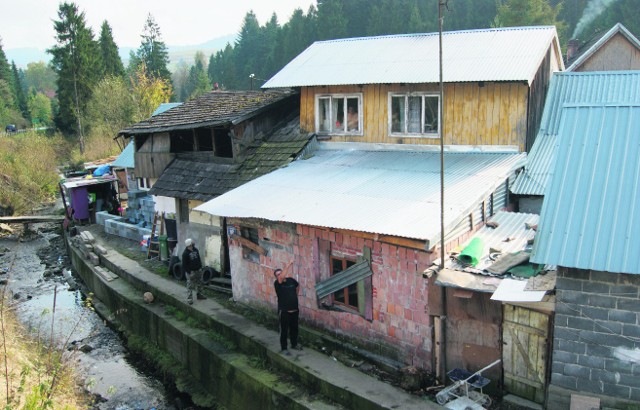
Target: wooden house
359 213
613 50
588 228
495 82
193 152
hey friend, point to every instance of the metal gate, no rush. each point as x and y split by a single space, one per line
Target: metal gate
525 335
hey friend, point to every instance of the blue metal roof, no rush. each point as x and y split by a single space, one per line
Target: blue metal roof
164 107
126 159
603 87
590 216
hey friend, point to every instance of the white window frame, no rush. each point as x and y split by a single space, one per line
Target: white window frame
334 130
405 133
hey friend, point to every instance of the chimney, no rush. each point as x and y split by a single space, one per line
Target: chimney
572 48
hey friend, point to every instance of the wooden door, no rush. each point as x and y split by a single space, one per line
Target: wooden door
525 335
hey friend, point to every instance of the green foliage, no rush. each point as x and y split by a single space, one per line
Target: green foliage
39 77
513 13
19 91
197 81
75 58
111 63
153 53
111 107
28 170
39 106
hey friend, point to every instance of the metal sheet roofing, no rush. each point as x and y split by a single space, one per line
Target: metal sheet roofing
387 192
164 107
590 217
603 87
126 159
497 54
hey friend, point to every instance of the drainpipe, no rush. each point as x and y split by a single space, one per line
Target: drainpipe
443 300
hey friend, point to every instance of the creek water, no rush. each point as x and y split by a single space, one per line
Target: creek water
37 272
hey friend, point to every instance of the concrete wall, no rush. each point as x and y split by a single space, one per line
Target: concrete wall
401 327
204 229
596 349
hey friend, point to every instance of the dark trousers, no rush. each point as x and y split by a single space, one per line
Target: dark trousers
288 327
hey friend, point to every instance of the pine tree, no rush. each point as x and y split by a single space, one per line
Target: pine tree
197 81
332 22
20 92
153 52
75 58
247 50
5 69
111 62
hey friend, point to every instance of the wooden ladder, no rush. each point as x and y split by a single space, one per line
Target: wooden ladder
152 241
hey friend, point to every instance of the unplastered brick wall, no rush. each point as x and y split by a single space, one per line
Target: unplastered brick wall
401 327
597 333
400 314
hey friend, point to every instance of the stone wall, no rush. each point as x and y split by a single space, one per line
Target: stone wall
596 348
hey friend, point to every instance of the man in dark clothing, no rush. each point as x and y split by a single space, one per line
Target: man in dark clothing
287 292
192 267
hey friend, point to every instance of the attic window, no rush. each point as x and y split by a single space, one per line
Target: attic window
414 115
339 114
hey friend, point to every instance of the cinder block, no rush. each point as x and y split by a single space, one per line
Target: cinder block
95 260
101 250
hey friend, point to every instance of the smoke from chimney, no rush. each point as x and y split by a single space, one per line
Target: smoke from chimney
593 9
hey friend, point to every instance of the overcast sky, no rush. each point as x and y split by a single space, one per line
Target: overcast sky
29 23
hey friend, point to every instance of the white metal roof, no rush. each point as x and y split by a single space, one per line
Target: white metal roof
386 192
496 54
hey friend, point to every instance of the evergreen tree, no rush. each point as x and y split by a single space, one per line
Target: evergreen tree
179 79
20 94
5 69
75 58
39 76
247 50
111 62
197 81
332 22
513 13
153 52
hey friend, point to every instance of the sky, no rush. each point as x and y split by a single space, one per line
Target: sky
29 23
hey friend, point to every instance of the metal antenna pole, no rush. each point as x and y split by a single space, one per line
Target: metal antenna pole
441 120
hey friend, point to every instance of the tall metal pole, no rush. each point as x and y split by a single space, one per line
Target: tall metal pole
442 365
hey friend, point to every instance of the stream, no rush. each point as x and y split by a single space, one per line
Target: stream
36 268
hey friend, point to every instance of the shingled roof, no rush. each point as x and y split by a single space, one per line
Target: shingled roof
211 109
203 177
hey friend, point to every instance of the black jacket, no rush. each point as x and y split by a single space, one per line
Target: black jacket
191 260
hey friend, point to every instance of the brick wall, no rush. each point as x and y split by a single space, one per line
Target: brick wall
597 334
401 326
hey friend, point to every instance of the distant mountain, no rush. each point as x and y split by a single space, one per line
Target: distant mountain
26 55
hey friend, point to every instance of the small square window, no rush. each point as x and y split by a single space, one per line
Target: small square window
414 114
339 114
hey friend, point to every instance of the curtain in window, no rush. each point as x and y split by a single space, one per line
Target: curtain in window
338 114
414 114
397 114
325 116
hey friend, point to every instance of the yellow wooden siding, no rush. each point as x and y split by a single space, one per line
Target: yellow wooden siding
474 114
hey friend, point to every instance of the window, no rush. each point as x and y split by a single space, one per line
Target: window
349 295
414 114
339 114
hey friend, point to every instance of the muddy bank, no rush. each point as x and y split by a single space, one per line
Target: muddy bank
43 291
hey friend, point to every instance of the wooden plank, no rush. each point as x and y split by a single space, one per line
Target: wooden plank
481 131
523 380
31 219
248 244
494 103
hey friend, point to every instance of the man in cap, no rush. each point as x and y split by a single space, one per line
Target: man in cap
192 267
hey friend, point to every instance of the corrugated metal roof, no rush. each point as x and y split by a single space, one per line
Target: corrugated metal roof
511 235
126 159
590 217
497 54
386 192
343 279
604 87
164 107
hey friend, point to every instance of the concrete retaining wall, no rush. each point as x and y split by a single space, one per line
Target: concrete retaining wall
597 338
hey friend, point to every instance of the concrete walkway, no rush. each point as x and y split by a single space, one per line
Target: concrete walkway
346 386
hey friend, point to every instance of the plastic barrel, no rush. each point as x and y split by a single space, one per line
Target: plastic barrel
164 247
